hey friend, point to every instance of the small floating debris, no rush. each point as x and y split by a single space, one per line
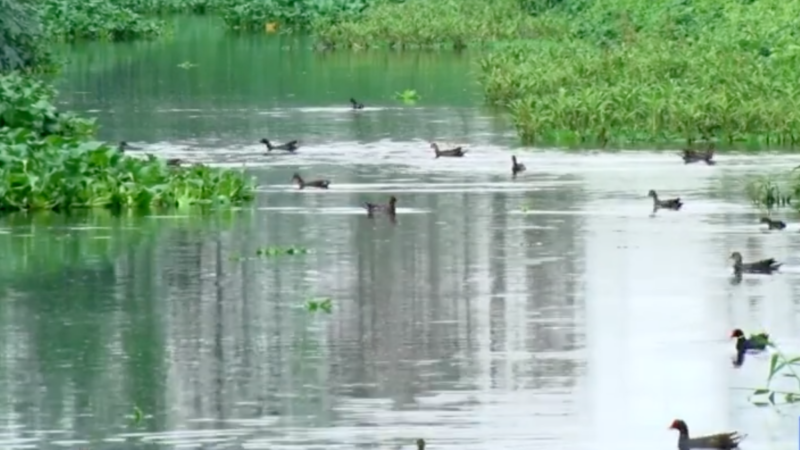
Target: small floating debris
408 96
319 304
186 65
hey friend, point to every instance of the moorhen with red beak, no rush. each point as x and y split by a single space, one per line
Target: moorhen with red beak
757 341
721 440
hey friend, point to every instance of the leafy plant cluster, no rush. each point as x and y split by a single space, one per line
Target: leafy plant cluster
287 15
71 20
427 24
49 162
628 71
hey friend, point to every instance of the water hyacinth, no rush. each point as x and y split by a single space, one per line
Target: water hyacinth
48 161
58 173
636 71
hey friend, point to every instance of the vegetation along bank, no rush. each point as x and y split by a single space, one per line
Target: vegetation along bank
630 71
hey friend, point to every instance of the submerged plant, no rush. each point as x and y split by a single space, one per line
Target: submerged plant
319 304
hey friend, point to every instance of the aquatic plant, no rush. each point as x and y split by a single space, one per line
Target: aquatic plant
772 191
422 23
319 304
629 71
62 173
71 20
137 415
25 102
48 161
286 15
276 251
779 364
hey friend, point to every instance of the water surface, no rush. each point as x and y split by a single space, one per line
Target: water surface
548 311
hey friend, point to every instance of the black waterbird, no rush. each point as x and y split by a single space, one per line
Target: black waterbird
723 441
692 156
516 167
301 183
765 266
290 146
125 146
355 104
673 203
389 209
773 224
457 152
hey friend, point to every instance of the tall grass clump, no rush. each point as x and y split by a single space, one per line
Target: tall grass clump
73 20
286 15
770 192
49 161
427 24
655 71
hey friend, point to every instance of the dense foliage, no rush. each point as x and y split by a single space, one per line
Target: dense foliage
49 162
657 71
21 38
70 20
424 23
287 15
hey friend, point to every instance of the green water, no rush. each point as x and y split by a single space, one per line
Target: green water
549 309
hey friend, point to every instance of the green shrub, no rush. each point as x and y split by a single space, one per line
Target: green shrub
48 162
288 15
70 20
424 23
642 71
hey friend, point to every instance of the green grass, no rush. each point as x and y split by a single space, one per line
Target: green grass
636 71
49 161
427 24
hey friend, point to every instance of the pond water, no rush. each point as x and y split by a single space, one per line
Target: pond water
550 311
